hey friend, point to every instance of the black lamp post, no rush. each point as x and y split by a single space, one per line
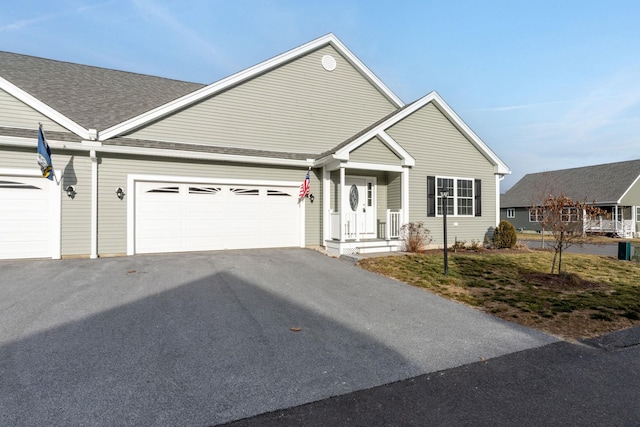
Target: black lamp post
445 195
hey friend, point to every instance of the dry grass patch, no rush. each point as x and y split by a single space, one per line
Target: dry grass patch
595 295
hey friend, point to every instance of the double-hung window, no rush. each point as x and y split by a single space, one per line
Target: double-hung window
536 214
464 196
569 214
460 196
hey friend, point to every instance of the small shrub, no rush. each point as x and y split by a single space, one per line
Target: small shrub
458 246
415 237
476 246
504 235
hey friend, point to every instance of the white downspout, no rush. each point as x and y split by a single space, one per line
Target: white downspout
94 204
498 179
341 201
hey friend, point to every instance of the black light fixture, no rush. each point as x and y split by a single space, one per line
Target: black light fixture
311 198
120 193
71 191
445 195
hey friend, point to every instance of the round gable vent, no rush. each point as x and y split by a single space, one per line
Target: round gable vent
329 62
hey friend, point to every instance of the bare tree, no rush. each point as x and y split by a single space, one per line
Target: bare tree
566 219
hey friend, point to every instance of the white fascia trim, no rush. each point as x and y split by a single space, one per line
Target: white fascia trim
244 75
157 152
407 159
337 44
499 166
43 108
382 127
207 180
372 166
635 181
154 152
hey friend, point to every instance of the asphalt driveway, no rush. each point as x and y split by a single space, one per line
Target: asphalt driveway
207 338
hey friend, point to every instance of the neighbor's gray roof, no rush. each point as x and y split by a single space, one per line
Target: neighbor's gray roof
599 183
93 97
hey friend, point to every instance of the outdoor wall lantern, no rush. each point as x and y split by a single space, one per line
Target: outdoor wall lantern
71 191
120 193
445 195
311 198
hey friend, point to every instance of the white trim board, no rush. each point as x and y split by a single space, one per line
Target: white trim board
245 75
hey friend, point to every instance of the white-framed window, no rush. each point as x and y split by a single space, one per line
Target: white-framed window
536 215
637 213
460 199
569 215
511 212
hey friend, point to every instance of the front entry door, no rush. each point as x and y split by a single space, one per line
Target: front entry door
360 201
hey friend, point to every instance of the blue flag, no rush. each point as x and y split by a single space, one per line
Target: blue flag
44 155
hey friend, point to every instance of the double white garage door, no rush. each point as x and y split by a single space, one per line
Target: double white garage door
177 217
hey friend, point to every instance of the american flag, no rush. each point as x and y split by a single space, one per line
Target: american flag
304 187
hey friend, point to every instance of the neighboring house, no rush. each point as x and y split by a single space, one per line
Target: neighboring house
613 187
157 165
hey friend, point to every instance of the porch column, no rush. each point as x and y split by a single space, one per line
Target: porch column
326 205
94 204
404 195
340 202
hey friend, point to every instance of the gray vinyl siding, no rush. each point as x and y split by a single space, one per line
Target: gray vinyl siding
72 168
16 114
76 212
441 150
114 170
298 107
374 151
632 197
394 190
19 157
521 221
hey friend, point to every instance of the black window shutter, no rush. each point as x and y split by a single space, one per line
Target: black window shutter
431 196
478 197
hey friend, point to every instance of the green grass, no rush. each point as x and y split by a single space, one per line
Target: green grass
593 295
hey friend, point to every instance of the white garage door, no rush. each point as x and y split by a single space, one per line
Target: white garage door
29 218
177 217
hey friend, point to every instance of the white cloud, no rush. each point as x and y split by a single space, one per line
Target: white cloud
20 24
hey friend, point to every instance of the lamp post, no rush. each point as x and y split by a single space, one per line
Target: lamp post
445 195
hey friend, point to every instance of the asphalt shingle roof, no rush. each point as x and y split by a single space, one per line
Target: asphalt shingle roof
95 98
599 183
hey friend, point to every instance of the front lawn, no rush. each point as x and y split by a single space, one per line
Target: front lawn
595 295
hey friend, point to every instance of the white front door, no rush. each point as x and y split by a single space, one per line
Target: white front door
360 204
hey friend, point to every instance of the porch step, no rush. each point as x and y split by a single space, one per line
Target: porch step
369 246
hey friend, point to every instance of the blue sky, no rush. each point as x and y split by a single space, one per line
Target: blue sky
546 84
